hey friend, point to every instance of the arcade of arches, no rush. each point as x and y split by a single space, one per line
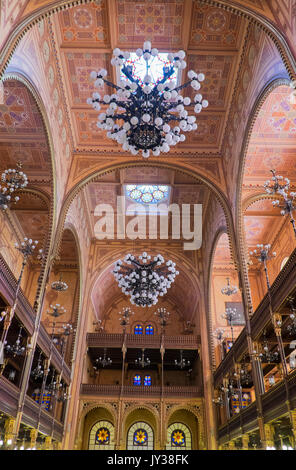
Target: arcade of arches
237 386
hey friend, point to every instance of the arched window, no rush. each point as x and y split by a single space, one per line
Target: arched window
149 330
178 437
138 330
137 380
140 436
147 380
101 436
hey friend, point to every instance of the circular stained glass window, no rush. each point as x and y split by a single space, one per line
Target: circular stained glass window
103 436
178 438
147 194
140 437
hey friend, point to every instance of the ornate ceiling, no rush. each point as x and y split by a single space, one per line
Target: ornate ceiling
238 59
106 189
22 133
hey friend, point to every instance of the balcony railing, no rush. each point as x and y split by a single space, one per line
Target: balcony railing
273 404
280 289
114 340
9 394
26 315
134 391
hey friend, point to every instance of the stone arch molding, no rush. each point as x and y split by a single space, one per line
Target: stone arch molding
51 199
197 411
130 408
138 406
87 407
220 196
108 260
260 20
217 237
239 216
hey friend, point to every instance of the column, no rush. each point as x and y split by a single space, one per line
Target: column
8 436
245 441
293 423
48 443
231 445
33 436
269 433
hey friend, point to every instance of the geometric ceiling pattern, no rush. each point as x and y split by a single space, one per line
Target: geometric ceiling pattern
22 133
272 144
105 190
213 39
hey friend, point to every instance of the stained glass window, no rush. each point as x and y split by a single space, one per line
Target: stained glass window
140 437
137 380
246 399
235 403
103 436
149 330
46 399
147 380
138 330
178 438
155 68
147 194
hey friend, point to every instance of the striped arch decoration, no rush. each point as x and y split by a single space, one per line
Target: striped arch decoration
178 437
140 437
101 436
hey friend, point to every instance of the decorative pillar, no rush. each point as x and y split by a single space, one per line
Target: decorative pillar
226 398
48 443
8 426
33 437
269 433
245 441
293 423
231 445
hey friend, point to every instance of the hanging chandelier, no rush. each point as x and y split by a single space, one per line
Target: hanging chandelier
144 282
38 371
16 349
147 114
143 361
57 310
60 285
228 289
102 361
163 316
267 356
125 316
280 185
182 363
11 180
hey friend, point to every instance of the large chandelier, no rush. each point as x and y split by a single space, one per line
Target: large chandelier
147 114
144 281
